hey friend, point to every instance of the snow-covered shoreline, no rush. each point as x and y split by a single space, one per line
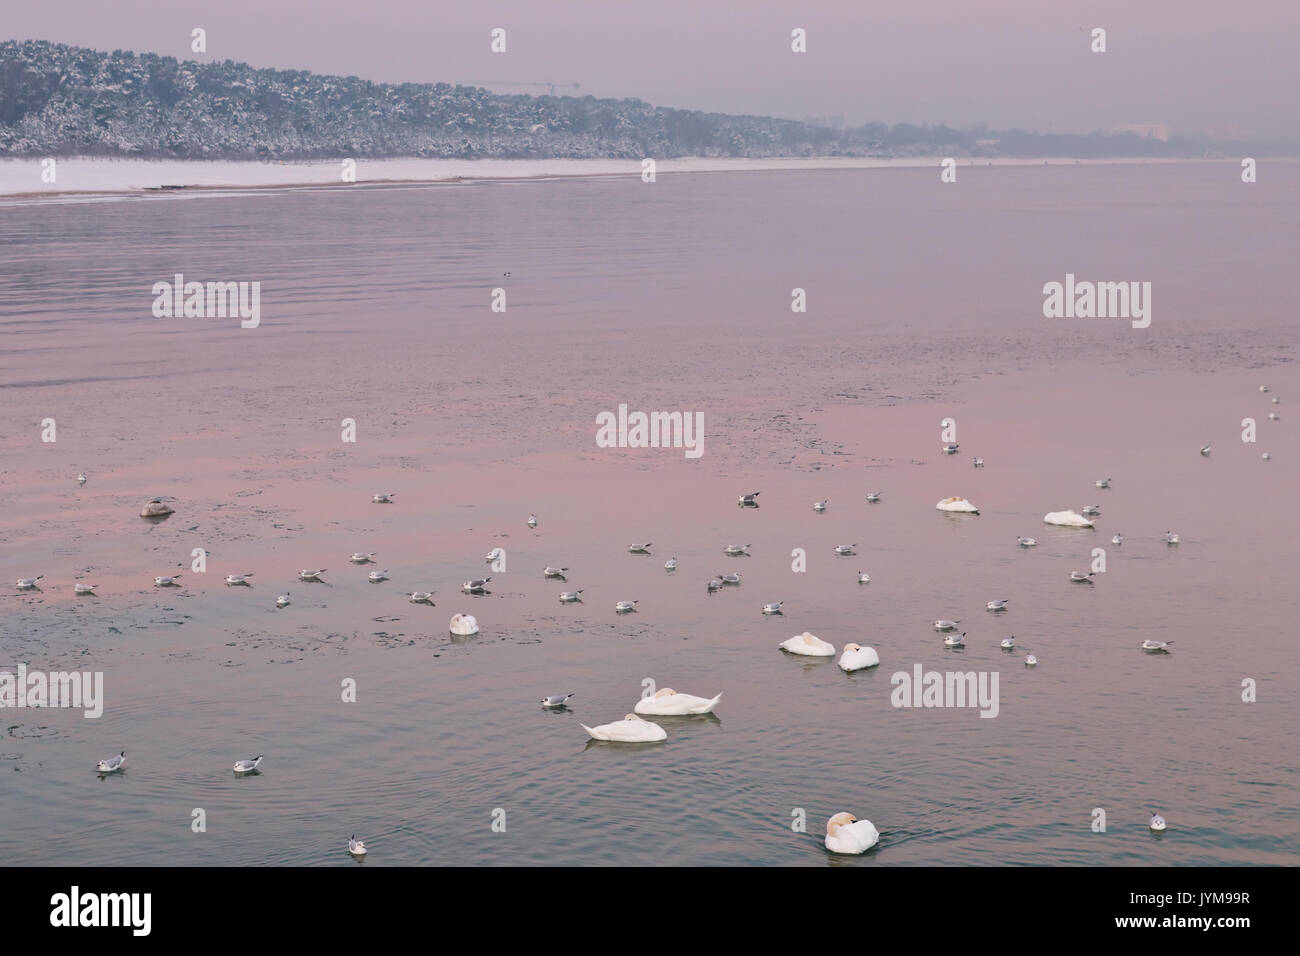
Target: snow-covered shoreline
90 178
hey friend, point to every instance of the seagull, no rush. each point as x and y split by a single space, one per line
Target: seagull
864 577
639 548
670 564
282 600
845 549
361 557
736 549
1263 388
1276 400
951 449
1027 542
873 497
1117 540
1171 538
567 597
239 579
356 847
1080 577
955 640
306 574
383 499
247 766
1156 646
942 625
556 700
730 578
167 581
622 607
751 500
979 462
81 478
1031 660
374 577
820 505
112 764
1102 483
1091 509
1008 643
715 583
1206 451
549 572
27 583
421 597
1266 456
532 521
1274 417
494 555
997 605
84 588
1157 822
477 586
773 608
156 508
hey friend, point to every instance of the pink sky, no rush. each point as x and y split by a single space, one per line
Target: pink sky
1196 65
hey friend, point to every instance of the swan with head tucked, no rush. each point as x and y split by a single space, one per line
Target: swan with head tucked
463 625
630 730
958 505
845 833
668 703
856 657
808 645
1068 519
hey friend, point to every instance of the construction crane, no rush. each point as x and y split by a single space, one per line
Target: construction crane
549 85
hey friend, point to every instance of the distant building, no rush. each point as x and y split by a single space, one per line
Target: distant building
1158 131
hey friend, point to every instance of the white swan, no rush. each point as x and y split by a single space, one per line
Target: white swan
630 730
668 703
845 833
808 645
959 505
156 509
247 766
463 625
1068 519
856 657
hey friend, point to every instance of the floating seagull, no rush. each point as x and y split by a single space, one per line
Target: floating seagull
773 608
873 497
1157 822
715 583
156 509
1026 542
668 703
845 549
736 549
1206 451
997 605
532 521
374 577
1008 643
856 657
1274 416
957 504
1266 456
556 700
477 586
1276 400
1117 540
1171 538
463 625
1080 577
1031 660
239 579
951 449
550 572
978 462
1156 646
386 499
751 500
247 766
567 597
84 588
167 581
1069 519
356 847
670 564
730 578
639 548
494 555
820 505
81 478
1263 388
622 607
630 730
421 597
1102 483
306 574
942 625
955 640
864 577
808 645
112 764
1092 510
361 557
845 833
282 600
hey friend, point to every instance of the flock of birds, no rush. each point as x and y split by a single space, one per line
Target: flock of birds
845 833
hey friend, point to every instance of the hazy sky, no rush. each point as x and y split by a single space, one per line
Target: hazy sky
1198 65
